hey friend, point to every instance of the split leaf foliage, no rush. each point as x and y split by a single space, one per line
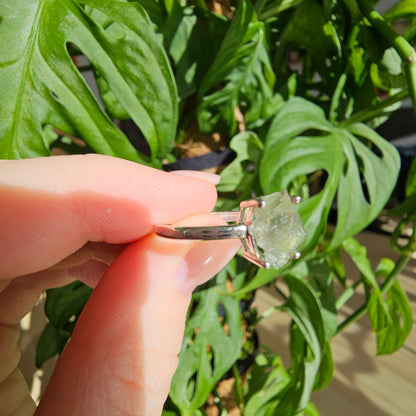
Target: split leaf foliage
308 81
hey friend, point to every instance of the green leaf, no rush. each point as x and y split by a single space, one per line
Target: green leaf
384 268
242 66
266 385
310 30
270 8
208 351
326 369
184 45
227 58
236 271
377 175
358 254
42 86
311 410
236 176
271 390
192 38
387 74
392 320
288 154
357 59
322 280
307 344
304 308
403 9
301 142
51 342
263 277
169 413
411 180
155 9
239 176
66 303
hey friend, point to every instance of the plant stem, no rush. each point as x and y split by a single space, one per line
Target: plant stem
169 6
375 110
333 113
385 287
201 4
399 43
347 294
238 386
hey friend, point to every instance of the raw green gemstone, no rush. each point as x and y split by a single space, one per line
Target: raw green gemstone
277 229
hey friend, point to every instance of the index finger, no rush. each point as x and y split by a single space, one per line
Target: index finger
50 207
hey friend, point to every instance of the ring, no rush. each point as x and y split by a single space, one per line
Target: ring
269 228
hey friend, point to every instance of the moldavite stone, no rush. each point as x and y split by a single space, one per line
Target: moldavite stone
277 228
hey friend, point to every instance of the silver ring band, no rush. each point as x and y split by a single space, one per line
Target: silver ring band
215 232
219 232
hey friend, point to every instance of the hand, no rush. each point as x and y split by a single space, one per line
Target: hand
90 218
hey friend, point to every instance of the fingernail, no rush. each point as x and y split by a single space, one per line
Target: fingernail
206 176
202 262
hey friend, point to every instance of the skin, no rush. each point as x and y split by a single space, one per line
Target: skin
91 218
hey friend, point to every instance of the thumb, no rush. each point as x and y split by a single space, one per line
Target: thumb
123 352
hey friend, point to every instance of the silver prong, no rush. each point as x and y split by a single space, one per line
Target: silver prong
297 255
261 203
296 199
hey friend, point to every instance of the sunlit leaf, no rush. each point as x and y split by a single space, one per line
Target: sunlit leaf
391 319
266 385
402 9
310 30
307 344
65 302
270 8
239 176
51 343
311 410
358 254
41 85
322 280
246 76
326 369
191 47
208 351
361 168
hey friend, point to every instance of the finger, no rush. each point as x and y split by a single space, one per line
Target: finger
123 352
15 399
23 292
52 206
16 300
103 252
87 264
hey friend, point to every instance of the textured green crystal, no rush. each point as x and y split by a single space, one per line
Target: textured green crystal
277 229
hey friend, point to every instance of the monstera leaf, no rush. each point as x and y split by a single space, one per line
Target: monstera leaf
209 349
41 85
246 76
361 168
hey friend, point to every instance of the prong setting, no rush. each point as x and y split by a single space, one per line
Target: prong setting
255 220
261 203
